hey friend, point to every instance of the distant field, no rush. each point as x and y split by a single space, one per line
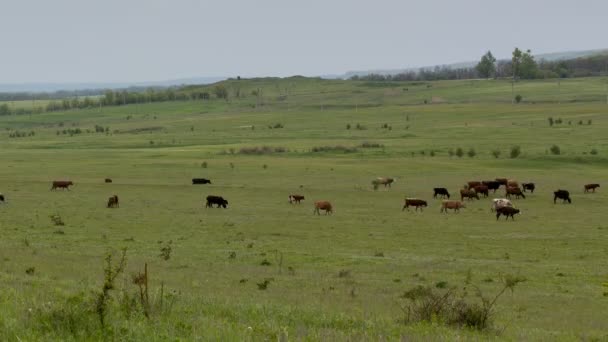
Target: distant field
337 277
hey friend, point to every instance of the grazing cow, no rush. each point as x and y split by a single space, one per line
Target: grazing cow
492 185
443 192
323 205
564 195
499 203
591 187
200 181
528 186
414 202
108 180
295 198
470 194
473 184
481 189
506 211
113 202
511 183
386 181
454 205
502 181
61 185
219 200
514 191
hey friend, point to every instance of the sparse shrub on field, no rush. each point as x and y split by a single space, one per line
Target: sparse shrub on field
580 122
204 165
111 272
496 153
56 219
518 98
451 152
337 148
344 274
379 254
453 306
569 122
589 122
232 255
471 152
593 151
141 281
360 127
264 166
30 270
165 250
264 285
432 153
515 152
422 152
555 150
550 121
151 142
347 126
275 126
459 152
262 150
368 144
265 263
232 165
559 121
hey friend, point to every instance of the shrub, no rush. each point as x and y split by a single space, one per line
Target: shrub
518 98
550 121
368 144
347 126
432 153
515 152
589 122
459 152
496 153
204 165
471 153
555 150
360 127
580 122
593 151
337 148
165 250
261 150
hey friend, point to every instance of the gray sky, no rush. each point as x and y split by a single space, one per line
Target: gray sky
148 40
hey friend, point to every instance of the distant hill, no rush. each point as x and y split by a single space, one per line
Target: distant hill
53 87
554 56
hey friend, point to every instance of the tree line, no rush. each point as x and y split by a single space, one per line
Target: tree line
523 65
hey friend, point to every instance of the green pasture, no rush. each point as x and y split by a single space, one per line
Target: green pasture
334 277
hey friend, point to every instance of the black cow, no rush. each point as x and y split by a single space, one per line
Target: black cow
564 195
506 211
219 200
528 186
443 192
1 198
492 185
200 181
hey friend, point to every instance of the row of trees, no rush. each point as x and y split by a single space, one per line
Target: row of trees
522 65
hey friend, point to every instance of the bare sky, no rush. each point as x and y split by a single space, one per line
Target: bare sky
148 40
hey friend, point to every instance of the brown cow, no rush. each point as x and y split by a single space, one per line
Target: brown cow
473 184
511 183
506 211
470 194
482 189
414 202
450 204
113 202
323 205
591 187
295 198
514 191
61 185
386 181
502 181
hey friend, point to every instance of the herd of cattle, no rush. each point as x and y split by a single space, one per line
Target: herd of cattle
471 190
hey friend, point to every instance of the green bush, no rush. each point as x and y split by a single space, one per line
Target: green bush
515 152
555 150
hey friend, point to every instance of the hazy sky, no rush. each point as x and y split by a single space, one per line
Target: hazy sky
148 40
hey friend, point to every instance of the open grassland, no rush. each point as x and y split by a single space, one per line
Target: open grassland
327 277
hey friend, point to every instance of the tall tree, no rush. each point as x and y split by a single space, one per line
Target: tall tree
528 68
487 65
516 62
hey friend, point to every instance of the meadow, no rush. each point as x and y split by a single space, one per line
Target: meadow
264 269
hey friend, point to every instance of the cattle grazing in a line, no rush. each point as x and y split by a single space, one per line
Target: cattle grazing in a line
466 193
473 184
108 180
528 186
492 185
323 205
218 200
113 202
499 203
61 185
414 202
514 191
443 192
295 198
386 181
506 211
482 189
591 187
564 195
454 205
200 181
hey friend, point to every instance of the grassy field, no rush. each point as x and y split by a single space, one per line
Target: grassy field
337 277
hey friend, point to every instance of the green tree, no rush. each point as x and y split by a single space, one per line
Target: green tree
516 62
487 65
221 92
528 68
